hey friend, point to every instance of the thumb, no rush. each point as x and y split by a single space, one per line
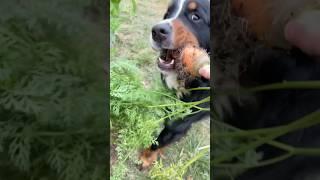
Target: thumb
304 32
205 71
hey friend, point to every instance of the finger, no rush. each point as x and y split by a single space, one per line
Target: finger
205 71
304 32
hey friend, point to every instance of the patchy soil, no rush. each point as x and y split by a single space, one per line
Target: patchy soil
113 153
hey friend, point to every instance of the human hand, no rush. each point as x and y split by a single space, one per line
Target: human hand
205 71
304 32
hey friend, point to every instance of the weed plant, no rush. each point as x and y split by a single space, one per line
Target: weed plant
52 94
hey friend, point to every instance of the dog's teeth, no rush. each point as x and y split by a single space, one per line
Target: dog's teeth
172 61
161 60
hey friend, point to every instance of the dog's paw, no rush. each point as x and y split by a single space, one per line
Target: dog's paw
181 91
147 158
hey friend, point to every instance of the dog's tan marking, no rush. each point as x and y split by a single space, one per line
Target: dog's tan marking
182 35
194 58
192 6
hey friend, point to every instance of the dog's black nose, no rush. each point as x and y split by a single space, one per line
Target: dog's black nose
161 32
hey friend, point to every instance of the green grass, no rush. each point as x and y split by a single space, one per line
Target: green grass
132 44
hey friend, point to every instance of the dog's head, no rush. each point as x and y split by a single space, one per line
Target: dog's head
186 22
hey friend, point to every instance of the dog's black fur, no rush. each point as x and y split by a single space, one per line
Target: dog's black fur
242 61
277 107
280 107
175 129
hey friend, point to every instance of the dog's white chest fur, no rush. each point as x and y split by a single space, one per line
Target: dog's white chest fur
171 79
172 82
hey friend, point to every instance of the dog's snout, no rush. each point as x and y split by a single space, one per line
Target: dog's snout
161 32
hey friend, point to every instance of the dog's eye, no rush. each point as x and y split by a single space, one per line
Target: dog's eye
195 17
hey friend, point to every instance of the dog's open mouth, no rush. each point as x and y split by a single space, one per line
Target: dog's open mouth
168 58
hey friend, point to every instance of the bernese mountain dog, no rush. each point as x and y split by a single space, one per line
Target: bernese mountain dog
185 23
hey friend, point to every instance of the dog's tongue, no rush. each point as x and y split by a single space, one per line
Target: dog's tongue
166 65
